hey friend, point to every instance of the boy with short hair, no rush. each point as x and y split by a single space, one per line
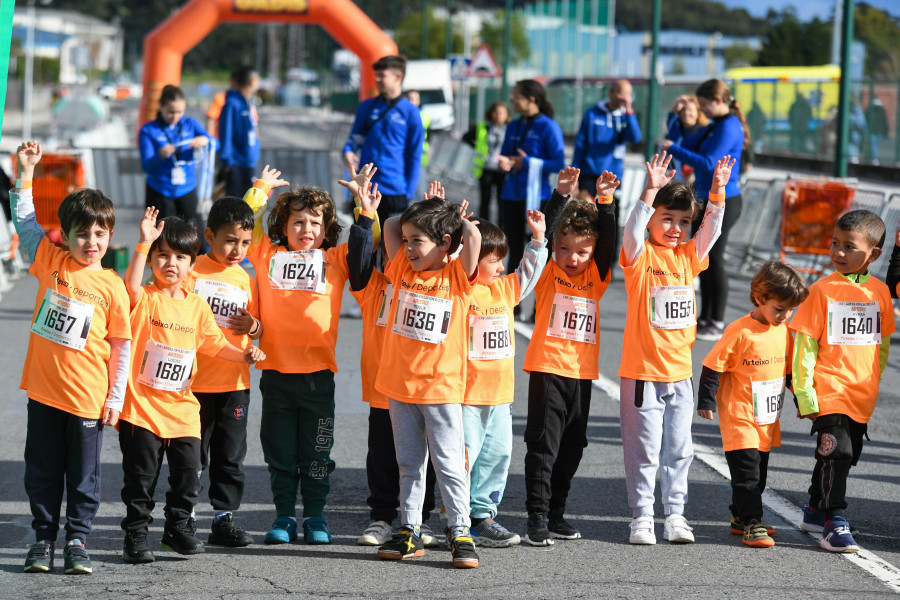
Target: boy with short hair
841 350
423 369
76 366
223 387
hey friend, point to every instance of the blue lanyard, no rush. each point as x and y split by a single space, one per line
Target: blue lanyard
176 142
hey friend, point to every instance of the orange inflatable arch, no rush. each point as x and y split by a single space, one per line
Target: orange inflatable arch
165 46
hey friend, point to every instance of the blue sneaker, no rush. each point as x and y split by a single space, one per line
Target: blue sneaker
814 520
283 531
837 537
315 531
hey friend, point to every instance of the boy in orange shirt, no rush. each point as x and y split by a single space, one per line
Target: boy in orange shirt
841 350
423 366
564 351
656 401
76 366
161 416
746 375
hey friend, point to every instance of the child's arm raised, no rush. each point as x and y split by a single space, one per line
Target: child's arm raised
134 276
471 241
658 175
605 249
361 243
256 198
706 393
711 226
568 179
22 201
534 259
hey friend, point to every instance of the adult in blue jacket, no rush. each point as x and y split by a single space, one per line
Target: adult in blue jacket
238 136
532 151
727 134
167 156
388 132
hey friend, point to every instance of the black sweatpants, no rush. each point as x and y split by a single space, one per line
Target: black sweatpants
840 443
238 180
490 184
183 206
749 468
62 454
714 280
383 473
555 438
223 445
142 457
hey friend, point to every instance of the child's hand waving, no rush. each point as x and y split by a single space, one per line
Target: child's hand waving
359 179
537 223
721 174
29 155
657 171
369 197
436 189
150 229
272 177
607 184
568 179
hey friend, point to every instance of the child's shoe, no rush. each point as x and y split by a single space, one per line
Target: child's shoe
677 530
491 534
462 548
814 521
315 531
40 557
428 538
406 543
538 532
224 532
136 550
182 537
561 529
642 531
77 561
376 534
836 536
756 535
736 527
283 531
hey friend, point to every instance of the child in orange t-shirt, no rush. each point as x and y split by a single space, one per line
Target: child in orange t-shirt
161 415
841 351
745 375
656 402
564 351
76 366
423 366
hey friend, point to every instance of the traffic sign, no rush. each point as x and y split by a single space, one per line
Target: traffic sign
459 67
483 63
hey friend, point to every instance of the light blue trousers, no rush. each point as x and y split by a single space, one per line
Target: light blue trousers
488 431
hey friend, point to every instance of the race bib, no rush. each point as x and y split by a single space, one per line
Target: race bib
672 307
166 368
303 270
854 323
490 338
422 318
63 320
387 298
573 318
179 177
768 400
224 299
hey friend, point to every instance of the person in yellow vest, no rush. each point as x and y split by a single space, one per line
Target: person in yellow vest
487 138
416 99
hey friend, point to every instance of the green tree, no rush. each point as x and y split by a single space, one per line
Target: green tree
789 42
409 37
881 34
739 55
693 15
492 35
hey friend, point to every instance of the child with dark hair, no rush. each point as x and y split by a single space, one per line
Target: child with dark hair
746 375
656 394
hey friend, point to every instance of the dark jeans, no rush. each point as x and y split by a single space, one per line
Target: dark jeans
238 180
223 445
513 222
182 206
489 183
749 469
840 443
555 439
62 454
383 473
714 280
142 457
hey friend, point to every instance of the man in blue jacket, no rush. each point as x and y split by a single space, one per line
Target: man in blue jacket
388 132
238 138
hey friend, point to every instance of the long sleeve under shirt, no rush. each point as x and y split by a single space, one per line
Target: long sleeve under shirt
706 236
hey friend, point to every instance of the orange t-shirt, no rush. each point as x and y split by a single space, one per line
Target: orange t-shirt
299 306
423 360
753 359
566 338
660 288
167 335
490 374
848 321
375 304
224 288
76 311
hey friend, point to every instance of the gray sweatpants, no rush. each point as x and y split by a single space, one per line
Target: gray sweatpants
420 429
656 419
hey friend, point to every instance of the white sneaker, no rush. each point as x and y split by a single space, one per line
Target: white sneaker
642 531
428 538
376 534
677 530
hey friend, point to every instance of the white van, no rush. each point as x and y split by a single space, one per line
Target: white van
431 78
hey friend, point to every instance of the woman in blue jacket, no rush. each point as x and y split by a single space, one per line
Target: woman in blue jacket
532 150
167 156
727 133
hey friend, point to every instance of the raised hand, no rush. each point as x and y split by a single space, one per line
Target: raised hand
29 154
657 174
359 179
537 223
436 189
272 177
607 184
150 230
568 179
369 197
721 174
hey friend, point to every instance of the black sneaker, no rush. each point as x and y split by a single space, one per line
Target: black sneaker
561 529
77 561
538 533
136 551
40 557
462 548
406 543
226 533
182 537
